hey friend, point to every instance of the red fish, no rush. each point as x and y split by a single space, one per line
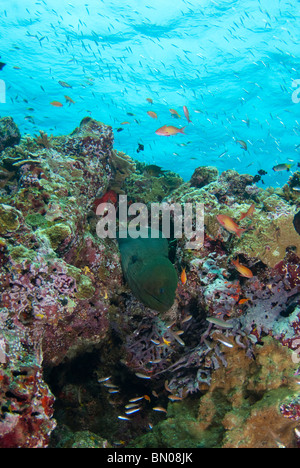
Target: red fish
230 225
168 130
186 113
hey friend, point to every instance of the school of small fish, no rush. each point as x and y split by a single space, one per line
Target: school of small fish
98 54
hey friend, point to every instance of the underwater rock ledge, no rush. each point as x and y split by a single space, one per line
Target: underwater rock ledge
63 296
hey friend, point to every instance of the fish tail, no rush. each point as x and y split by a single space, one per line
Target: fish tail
181 130
240 231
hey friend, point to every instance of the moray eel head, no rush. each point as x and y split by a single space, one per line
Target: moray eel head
156 285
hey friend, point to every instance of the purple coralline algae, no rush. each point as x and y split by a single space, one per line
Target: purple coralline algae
63 298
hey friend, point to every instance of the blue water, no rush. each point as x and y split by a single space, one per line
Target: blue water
234 62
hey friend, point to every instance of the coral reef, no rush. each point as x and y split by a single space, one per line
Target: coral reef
270 231
241 409
203 175
123 166
218 369
150 185
54 295
9 133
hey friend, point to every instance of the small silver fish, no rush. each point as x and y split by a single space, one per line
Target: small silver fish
159 408
133 410
174 398
187 318
225 343
133 400
157 342
109 385
124 418
131 405
219 322
142 376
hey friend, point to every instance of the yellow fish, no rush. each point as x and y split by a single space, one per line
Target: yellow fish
183 276
242 269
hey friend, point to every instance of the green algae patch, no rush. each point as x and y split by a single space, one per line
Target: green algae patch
57 234
9 219
80 439
179 430
85 288
21 253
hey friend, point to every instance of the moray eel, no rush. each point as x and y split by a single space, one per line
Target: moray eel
148 271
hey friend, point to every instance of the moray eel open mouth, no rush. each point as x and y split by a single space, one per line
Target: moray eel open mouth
148 271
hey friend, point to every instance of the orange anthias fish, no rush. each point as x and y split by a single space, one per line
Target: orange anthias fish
243 301
183 276
174 113
168 130
56 104
152 114
242 269
230 225
248 213
186 113
149 100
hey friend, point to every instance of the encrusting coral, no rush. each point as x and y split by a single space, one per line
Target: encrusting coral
221 365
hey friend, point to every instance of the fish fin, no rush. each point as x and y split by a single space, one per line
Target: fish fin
181 130
240 231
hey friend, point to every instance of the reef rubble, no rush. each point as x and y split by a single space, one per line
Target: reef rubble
76 346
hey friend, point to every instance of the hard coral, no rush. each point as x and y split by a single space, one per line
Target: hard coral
9 133
50 309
